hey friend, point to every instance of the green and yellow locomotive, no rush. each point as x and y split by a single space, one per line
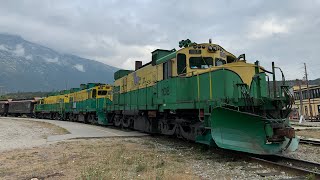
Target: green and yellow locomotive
87 104
201 93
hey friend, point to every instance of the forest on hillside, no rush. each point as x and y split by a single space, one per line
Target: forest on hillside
24 95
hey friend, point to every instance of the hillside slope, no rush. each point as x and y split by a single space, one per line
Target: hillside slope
26 66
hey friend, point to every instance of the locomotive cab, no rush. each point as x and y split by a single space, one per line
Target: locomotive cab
201 58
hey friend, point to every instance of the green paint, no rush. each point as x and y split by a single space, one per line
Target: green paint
240 131
161 55
224 127
121 73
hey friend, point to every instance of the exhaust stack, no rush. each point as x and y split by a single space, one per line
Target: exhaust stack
138 65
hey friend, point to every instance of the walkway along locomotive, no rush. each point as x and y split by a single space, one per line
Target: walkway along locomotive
200 92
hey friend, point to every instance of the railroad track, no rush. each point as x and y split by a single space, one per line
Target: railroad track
296 166
311 142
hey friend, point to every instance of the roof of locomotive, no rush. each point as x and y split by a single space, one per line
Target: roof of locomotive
162 55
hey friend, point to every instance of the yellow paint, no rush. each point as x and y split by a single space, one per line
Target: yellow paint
80 95
149 75
53 99
66 98
142 78
88 93
245 70
174 67
107 88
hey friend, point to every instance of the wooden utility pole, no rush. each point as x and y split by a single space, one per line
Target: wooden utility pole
308 91
300 97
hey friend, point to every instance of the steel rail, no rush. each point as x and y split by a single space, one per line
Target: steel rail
308 141
297 166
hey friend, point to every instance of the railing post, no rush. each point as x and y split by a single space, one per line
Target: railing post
274 81
258 79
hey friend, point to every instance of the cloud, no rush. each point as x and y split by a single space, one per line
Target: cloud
120 32
270 27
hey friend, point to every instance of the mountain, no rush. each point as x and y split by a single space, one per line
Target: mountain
26 66
294 82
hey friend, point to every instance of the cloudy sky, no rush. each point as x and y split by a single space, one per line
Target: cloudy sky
120 32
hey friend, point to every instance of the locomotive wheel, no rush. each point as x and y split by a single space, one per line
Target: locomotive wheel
56 116
92 119
161 127
117 121
126 121
178 132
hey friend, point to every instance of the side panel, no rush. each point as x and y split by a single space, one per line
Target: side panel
182 92
3 107
21 107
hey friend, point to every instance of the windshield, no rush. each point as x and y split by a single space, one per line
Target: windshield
200 62
102 93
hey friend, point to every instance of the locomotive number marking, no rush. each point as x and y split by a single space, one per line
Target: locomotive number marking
165 91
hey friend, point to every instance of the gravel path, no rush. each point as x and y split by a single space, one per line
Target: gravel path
25 134
82 130
28 132
307 152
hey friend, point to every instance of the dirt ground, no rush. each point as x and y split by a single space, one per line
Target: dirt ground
126 158
307 152
24 134
25 154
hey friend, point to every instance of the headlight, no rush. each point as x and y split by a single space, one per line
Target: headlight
212 48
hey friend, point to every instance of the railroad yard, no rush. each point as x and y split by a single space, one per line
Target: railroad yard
159 90
30 149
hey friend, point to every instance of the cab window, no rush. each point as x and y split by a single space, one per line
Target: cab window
94 93
181 64
219 62
167 72
102 93
200 62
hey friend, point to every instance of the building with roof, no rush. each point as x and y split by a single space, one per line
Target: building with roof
309 111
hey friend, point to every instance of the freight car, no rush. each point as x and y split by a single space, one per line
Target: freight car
21 107
3 108
201 93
